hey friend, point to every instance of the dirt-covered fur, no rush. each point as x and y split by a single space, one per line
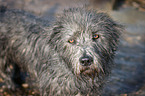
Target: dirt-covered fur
72 55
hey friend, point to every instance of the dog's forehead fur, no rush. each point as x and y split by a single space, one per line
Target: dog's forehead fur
79 21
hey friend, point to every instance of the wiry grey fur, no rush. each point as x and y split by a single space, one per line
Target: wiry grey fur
42 50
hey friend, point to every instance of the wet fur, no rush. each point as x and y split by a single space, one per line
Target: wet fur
33 45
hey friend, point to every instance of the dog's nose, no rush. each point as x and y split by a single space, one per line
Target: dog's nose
86 61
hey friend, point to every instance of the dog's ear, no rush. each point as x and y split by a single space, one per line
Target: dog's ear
108 23
56 32
57 27
118 27
116 31
111 27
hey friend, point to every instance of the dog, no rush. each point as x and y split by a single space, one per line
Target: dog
70 56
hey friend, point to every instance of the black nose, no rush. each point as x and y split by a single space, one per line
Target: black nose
86 61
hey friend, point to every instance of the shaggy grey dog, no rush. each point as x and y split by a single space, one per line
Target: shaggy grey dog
71 56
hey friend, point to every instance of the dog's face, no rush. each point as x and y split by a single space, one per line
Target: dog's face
86 41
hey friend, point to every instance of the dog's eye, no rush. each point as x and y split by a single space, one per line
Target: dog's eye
95 36
71 41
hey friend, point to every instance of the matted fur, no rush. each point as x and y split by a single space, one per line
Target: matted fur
32 45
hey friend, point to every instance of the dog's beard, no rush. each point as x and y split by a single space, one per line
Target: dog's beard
86 72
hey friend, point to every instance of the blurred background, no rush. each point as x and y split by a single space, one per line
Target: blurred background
128 76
